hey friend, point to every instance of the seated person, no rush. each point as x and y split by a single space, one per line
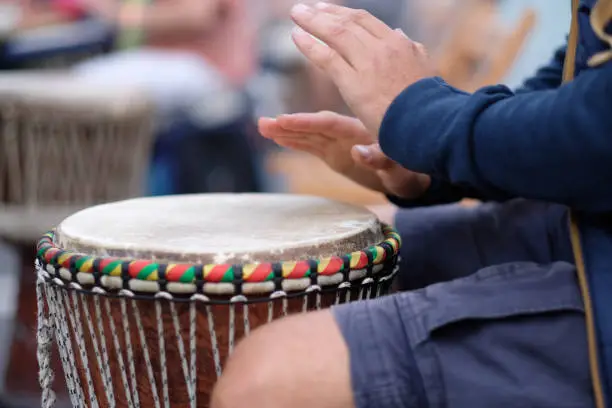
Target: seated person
194 59
193 52
504 334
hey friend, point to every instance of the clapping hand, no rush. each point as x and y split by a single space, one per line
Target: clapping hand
347 147
370 63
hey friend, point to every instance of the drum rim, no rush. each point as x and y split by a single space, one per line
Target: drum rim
158 276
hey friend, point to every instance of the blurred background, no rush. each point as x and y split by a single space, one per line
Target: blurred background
100 102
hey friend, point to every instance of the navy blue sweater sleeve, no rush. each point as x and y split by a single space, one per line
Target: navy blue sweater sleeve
552 145
441 191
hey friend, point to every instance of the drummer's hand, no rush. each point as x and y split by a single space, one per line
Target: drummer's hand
395 179
341 142
370 63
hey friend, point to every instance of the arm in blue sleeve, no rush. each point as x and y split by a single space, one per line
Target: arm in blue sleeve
552 145
439 192
443 192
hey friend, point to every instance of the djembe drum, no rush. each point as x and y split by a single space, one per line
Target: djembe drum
146 298
97 139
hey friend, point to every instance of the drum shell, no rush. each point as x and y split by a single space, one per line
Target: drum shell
87 309
131 286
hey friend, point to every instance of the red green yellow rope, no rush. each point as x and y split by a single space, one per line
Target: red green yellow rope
148 270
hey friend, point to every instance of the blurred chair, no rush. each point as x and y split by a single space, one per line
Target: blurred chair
478 49
64 145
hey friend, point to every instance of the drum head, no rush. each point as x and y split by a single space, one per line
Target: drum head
221 228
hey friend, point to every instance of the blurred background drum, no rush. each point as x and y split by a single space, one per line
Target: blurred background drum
64 145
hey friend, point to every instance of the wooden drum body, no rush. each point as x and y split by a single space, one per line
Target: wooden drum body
146 298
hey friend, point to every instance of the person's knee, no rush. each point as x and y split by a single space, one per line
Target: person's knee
299 361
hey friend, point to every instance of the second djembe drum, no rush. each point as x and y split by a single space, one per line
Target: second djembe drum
65 145
146 298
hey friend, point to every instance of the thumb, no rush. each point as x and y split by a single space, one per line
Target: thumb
403 183
371 156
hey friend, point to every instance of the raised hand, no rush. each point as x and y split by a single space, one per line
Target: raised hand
370 63
346 146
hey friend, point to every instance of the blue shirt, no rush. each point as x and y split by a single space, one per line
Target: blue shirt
544 141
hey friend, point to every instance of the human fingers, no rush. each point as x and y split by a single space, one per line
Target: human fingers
322 56
340 33
393 178
361 17
321 142
327 123
303 145
271 129
404 183
372 157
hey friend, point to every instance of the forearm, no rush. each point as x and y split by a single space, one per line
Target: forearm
443 192
551 145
